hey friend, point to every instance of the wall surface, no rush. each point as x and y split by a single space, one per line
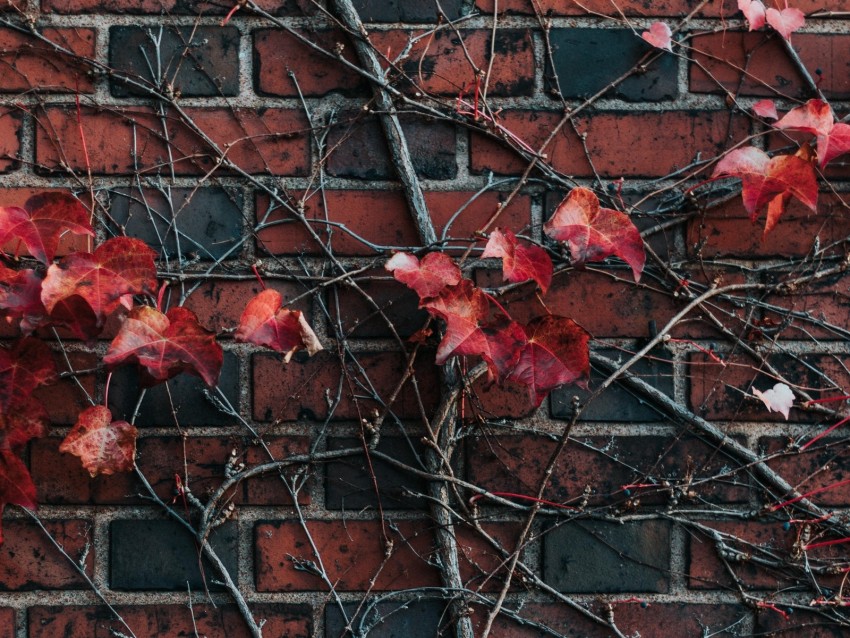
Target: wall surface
170 122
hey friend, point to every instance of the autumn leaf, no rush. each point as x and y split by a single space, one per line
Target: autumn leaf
26 366
659 35
594 233
16 486
104 446
519 263
815 117
427 277
265 323
770 181
787 21
754 12
556 353
464 308
42 221
766 109
779 398
165 345
120 266
20 297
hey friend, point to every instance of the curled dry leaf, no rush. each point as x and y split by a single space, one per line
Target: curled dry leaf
165 345
104 446
779 398
519 263
594 233
265 323
659 35
426 277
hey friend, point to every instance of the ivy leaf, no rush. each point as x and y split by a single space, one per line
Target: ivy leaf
519 263
556 353
42 221
265 323
118 267
165 345
427 277
754 12
770 181
659 35
20 297
766 109
786 21
594 233
23 368
16 486
104 446
815 117
835 144
464 308
779 398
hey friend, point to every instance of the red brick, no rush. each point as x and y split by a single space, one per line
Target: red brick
277 53
27 64
7 622
814 468
276 7
516 464
352 552
65 400
482 567
28 560
220 304
439 64
444 204
727 231
10 142
621 144
274 142
639 8
824 306
167 620
769 71
302 390
801 623
489 400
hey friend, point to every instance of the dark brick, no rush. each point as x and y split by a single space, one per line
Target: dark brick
407 11
800 623
28 64
820 309
29 561
170 557
10 141
587 60
360 151
640 8
350 482
618 403
158 621
185 392
167 7
65 400
417 619
7 622
207 221
196 61
586 556
360 319
816 468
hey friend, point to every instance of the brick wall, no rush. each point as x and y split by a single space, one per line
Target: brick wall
227 147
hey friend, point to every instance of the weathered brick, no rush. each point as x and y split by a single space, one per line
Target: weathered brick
351 483
818 310
440 63
183 224
812 469
7 622
602 467
10 141
65 400
28 64
592 556
179 401
621 144
587 60
278 53
801 623
196 61
170 560
28 560
671 8
167 7
352 552
359 150
407 11
419 619
721 58
168 620
272 142
302 390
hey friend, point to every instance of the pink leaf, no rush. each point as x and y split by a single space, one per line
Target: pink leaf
779 398
519 263
786 21
766 109
815 117
659 36
427 277
753 11
265 323
835 144
103 445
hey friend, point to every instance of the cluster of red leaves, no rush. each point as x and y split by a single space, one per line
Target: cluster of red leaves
771 182
79 292
784 21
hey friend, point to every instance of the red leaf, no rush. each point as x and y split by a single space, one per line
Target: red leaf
26 366
16 485
766 109
594 233
770 181
519 263
427 277
265 323
464 308
166 345
786 21
42 222
120 266
505 342
659 36
815 117
556 353
754 12
25 419
20 297
103 445
835 144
